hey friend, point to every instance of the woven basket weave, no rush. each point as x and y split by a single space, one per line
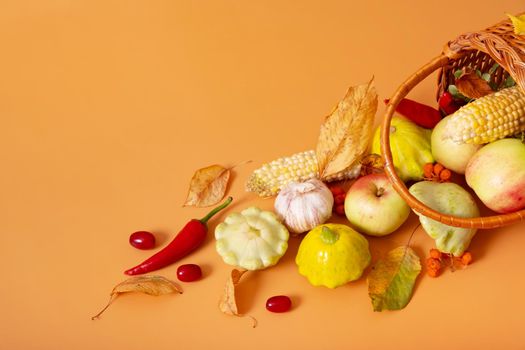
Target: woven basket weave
478 50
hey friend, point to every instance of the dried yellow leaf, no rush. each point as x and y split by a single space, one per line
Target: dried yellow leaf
518 22
392 279
208 186
346 133
228 303
150 285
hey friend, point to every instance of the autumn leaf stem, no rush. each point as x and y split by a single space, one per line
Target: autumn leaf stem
412 234
239 164
110 301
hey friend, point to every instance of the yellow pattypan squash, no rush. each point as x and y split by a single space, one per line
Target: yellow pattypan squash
332 254
252 239
410 146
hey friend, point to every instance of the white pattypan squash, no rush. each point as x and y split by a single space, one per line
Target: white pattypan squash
252 239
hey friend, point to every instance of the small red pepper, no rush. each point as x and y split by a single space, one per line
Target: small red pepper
447 103
186 241
419 113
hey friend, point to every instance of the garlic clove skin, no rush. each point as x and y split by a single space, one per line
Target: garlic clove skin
301 206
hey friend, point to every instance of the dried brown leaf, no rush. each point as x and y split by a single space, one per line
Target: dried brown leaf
150 285
372 164
228 303
208 186
346 133
471 85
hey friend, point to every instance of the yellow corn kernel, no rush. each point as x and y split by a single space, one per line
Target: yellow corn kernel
489 118
271 177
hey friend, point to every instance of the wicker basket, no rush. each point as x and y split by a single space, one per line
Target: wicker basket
479 50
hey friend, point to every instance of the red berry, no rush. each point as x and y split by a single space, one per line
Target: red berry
340 209
340 198
466 258
434 253
445 175
336 190
438 168
433 264
433 273
142 240
189 273
428 170
278 303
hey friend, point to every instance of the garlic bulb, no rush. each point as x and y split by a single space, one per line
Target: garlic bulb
302 206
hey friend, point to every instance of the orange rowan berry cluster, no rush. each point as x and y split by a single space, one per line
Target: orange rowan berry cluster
436 172
339 200
438 260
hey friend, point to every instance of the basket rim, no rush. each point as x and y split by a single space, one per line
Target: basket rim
483 222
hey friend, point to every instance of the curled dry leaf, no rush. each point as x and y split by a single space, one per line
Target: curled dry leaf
150 285
208 186
347 131
471 85
372 164
228 303
391 281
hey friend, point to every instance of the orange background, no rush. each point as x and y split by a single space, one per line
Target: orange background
108 107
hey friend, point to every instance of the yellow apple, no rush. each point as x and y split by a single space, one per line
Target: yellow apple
451 155
373 206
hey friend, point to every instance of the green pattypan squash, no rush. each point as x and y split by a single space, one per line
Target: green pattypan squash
410 146
252 239
451 199
331 255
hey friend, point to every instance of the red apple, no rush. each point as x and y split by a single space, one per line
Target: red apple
373 206
497 174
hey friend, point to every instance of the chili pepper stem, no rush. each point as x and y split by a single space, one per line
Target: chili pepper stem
205 219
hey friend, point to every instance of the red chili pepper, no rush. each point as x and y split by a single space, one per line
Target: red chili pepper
447 103
186 241
419 113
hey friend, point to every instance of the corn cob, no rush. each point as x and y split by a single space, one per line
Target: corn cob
271 177
489 118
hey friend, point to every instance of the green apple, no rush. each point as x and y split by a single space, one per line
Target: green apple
451 199
497 174
373 206
452 155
